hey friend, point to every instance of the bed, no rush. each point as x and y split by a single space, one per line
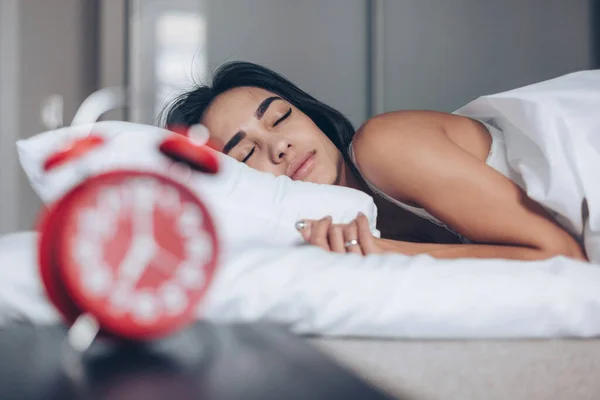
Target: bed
442 329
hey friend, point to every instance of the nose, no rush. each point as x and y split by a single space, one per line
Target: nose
279 149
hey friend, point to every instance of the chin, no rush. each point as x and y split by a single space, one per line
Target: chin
328 179
318 178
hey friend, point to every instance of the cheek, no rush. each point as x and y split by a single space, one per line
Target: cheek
310 133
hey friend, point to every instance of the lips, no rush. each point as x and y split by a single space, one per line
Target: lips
301 166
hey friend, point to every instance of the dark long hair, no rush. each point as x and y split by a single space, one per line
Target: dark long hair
188 108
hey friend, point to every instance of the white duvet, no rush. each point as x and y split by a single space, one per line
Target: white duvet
552 134
381 296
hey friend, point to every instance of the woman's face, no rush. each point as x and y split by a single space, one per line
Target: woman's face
269 134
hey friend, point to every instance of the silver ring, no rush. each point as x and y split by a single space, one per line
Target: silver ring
350 243
300 225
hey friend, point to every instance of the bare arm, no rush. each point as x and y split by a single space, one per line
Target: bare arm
463 250
414 157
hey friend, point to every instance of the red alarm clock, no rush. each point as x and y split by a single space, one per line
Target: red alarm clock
135 250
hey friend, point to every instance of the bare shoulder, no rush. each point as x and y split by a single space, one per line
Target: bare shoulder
387 149
395 149
415 123
401 121
410 133
398 132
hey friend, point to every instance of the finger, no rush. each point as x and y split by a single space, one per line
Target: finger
351 233
365 237
318 234
304 227
336 238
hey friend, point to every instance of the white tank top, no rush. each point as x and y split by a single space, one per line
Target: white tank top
495 159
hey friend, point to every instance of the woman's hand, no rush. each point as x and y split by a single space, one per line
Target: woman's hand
354 237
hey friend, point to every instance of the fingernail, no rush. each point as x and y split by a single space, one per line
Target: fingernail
360 214
300 225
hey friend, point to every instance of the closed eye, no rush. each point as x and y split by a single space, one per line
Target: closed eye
249 155
283 117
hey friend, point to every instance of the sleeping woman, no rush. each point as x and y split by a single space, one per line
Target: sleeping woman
440 181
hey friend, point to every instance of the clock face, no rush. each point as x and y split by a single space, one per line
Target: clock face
138 251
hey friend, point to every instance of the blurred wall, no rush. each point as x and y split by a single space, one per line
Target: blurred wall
321 45
9 73
442 54
56 54
435 54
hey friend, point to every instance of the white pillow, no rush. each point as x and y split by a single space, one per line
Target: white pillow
248 206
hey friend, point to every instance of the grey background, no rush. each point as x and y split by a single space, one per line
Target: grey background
55 50
437 55
442 54
319 45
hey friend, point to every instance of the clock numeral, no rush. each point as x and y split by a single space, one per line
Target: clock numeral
174 298
138 192
191 275
86 250
127 201
109 200
96 223
145 307
190 221
97 281
144 193
198 247
120 300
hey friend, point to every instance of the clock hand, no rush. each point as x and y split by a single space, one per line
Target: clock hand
135 262
131 268
165 258
143 245
143 217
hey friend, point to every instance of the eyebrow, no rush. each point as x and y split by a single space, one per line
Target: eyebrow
234 141
240 135
262 108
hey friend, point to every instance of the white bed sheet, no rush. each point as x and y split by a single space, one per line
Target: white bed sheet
379 296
